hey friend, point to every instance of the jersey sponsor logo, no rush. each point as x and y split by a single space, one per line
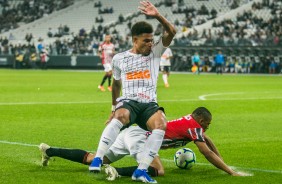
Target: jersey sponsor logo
138 75
142 95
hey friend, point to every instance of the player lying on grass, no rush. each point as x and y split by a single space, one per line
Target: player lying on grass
131 141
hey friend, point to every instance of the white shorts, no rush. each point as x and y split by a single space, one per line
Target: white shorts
107 67
130 141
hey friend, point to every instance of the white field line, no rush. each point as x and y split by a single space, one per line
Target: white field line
50 103
203 97
104 102
163 159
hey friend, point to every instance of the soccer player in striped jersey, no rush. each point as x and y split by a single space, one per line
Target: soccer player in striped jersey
131 141
135 72
165 65
106 52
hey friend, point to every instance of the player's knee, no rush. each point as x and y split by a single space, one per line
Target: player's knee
122 115
161 126
158 121
162 123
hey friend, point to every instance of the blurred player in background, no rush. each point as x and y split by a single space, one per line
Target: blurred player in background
165 65
196 63
136 73
106 52
131 141
44 57
219 62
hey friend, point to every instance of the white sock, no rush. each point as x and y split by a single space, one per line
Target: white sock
165 78
108 137
152 147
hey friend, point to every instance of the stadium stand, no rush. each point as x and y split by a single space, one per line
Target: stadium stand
77 26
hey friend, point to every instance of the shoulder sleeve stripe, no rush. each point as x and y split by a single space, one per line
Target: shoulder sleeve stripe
190 132
199 133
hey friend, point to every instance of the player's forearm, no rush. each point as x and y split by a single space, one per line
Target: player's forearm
212 146
217 162
116 87
169 28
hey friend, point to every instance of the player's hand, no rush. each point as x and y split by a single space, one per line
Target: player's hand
241 174
148 8
110 118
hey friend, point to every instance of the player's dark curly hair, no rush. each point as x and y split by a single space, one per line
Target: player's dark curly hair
140 28
202 112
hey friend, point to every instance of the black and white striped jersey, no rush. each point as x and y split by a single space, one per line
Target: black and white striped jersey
138 74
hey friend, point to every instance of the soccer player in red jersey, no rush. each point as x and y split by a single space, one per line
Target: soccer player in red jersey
131 141
106 52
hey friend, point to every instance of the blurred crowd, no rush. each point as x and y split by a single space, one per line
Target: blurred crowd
230 64
247 29
14 13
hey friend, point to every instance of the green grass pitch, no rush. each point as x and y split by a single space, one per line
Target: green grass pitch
65 109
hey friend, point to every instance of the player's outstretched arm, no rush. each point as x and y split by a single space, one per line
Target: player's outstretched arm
214 159
212 146
149 9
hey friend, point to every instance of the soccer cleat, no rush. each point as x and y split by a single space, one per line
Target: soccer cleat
141 175
45 158
166 85
111 173
110 88
95 165
101 88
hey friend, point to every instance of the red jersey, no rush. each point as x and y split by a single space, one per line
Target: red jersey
44 57
185 128
107 52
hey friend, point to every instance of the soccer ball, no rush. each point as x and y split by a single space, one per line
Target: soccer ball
184 158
